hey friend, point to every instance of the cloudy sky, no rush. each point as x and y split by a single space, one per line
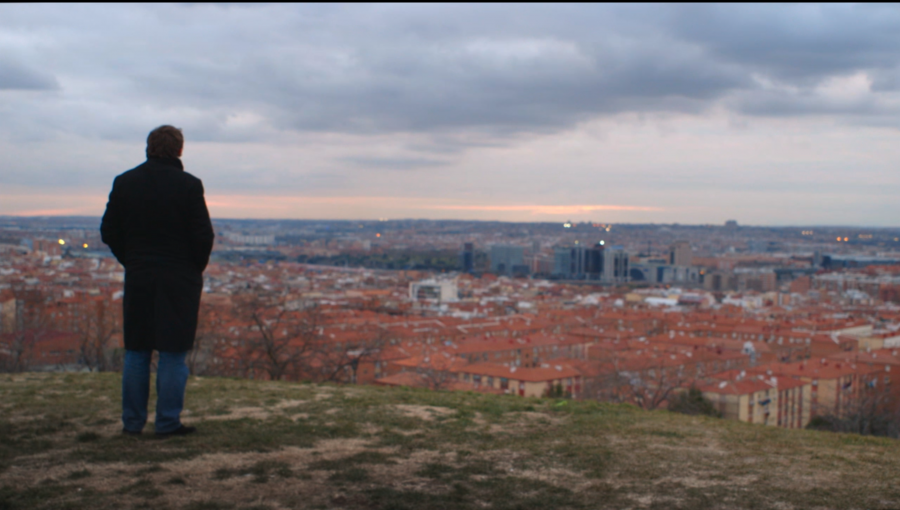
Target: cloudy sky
767 114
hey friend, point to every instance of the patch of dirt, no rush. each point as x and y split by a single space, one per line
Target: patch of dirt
552 475
284 404
402 475
206 465
521 421
348 391
520 464
644 501
271 387
180 483
708 446
23 418
692 481
426 413
369 428
260 413
30 473
720 467
241 412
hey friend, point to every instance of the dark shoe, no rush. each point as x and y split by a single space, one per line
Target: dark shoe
126 432
180 431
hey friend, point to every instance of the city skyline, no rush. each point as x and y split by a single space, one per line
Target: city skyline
769 115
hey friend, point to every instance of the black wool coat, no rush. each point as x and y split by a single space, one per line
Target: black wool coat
157 225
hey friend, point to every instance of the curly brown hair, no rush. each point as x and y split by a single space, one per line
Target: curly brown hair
165 142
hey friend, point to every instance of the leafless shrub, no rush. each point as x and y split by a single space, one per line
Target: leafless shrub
208 343
434 370
97 324
875 411
646 381
18 348
282 339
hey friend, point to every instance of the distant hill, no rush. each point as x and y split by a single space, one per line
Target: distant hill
274 445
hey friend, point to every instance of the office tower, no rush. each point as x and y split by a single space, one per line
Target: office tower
467 258
562 262
508 260
680 254
615 265
594 267
579 262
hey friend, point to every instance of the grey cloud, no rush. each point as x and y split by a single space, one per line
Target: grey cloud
494 71
384 68
449 144
802 43
393 163
886 80
442 92
16 76
281 180
783 105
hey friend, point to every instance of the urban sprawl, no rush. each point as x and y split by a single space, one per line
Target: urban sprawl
774 326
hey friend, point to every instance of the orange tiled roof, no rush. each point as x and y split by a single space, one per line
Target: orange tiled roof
547 372
744 387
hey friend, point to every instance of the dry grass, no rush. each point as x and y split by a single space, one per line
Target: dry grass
427 413
266 445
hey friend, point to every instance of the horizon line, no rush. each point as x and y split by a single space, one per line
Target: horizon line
386 220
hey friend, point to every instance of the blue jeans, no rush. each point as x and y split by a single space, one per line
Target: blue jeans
171 379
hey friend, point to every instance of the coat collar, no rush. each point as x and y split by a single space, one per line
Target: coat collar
166 161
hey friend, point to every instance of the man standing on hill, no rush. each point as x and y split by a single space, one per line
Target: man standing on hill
157 225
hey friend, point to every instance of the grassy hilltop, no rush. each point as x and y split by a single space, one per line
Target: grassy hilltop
268 445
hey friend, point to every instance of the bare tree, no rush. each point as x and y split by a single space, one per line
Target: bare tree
647 380
207 343
18 348
874 410
435 370
97 324
285 340
691 401
340 362
653 386
279 342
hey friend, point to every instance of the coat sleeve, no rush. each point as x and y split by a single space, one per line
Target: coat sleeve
112 230
201 231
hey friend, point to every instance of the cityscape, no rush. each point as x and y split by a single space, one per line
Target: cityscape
393 256
774 326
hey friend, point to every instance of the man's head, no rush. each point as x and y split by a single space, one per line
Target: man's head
165 142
